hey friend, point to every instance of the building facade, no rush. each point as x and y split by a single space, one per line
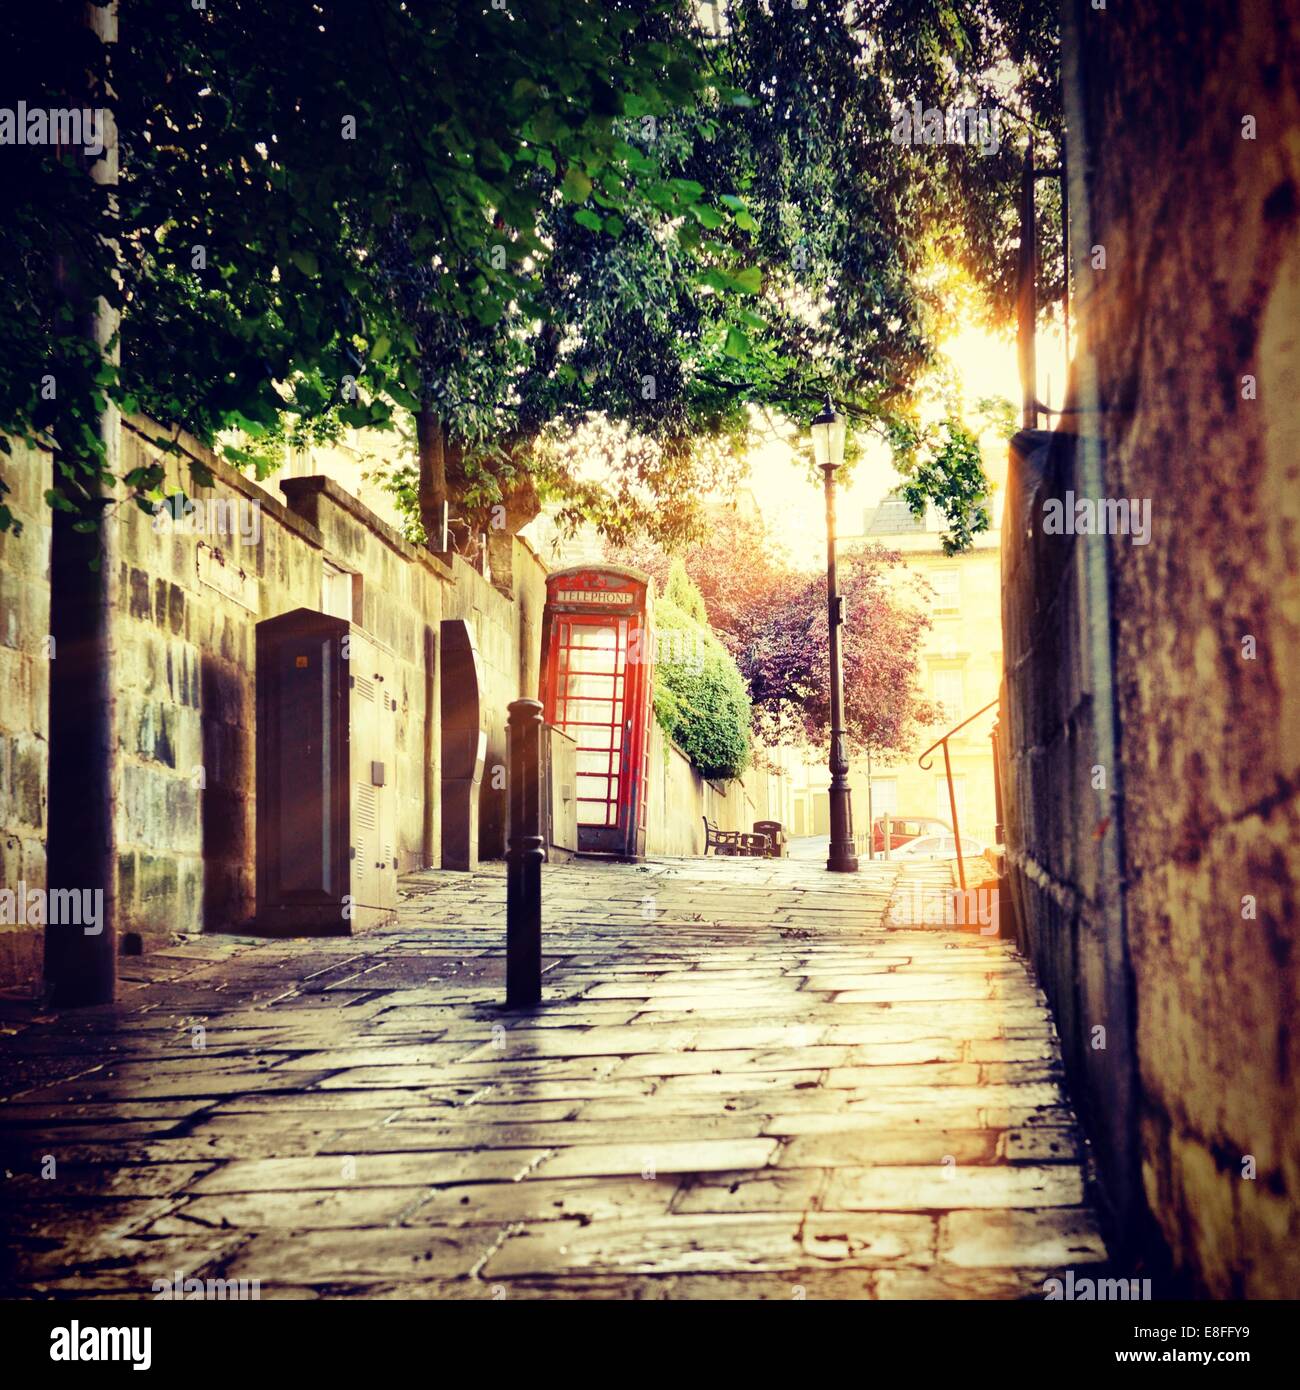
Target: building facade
960 669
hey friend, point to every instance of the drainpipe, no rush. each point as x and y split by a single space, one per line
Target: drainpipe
1027 294
1093 557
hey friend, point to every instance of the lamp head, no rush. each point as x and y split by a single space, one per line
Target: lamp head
828 436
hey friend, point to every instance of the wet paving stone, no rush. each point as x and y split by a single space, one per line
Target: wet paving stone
359 1256
580 1200
950 1185
742 1083
296 1211
768 1189
854 1147
100 1181
717 1244
1051 1239
343 1170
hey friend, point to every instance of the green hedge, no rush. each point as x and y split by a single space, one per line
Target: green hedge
701 699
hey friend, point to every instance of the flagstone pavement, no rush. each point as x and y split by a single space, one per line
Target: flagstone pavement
742 1083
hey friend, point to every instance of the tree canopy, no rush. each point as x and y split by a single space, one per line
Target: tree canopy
268 148
772 619
825 275
512 222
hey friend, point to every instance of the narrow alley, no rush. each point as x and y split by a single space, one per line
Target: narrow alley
744 1082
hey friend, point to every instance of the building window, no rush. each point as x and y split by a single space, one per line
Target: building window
947 590
949 690
942 806
884 796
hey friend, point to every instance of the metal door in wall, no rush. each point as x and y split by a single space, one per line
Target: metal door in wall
372 773
367 828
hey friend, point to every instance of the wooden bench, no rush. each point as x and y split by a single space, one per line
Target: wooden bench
733 842
775 833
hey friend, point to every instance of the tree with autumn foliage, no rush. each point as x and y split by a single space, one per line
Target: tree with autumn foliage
771 617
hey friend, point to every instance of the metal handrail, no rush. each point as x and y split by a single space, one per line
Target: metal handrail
923 762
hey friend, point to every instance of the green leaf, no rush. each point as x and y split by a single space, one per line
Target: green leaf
576 185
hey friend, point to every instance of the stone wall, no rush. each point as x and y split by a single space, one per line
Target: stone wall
506 616
1185 169
675 800
24 702
189 598
680 798
399 600
1061 819
190 595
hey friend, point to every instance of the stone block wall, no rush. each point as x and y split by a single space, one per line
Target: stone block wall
1196 339
680 798
1059 809
675 800
506 617
185 641
400 595
188 600
189 597
24 702
1186 168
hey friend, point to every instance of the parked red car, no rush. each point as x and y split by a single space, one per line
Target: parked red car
905 828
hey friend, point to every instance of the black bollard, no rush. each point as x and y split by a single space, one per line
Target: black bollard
524 856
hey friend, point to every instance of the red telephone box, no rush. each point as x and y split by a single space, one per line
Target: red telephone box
597 674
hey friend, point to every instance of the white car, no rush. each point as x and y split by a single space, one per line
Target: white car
939 847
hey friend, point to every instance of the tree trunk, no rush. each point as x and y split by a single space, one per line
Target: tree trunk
462 527
431 441
443 480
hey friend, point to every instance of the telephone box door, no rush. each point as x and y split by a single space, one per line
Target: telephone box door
596 689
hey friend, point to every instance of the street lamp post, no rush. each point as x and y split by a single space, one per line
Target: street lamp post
828 451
